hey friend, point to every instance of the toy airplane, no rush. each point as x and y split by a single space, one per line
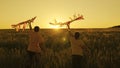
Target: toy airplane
17 26
68 22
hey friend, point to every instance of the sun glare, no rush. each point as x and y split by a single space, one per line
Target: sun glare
55 27
56 19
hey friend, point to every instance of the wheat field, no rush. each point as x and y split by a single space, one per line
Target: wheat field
104 45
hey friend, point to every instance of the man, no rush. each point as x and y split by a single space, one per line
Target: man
78 47
35 46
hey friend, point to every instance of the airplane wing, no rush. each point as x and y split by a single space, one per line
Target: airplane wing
28 21
59 23
13 26
80 18
31 20
68 22
52 23
55 22
17 26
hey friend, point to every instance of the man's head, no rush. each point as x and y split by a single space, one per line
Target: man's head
36 28
77 35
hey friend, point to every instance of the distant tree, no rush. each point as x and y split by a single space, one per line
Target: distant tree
118 26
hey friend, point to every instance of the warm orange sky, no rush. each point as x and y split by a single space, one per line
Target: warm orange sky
97 13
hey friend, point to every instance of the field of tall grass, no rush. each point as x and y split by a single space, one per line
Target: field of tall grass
104 45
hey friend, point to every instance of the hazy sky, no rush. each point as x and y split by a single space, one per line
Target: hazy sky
97 13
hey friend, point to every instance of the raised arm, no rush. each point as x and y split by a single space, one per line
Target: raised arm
69 30
30 26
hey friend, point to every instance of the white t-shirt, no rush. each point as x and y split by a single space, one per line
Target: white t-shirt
35 41
76 46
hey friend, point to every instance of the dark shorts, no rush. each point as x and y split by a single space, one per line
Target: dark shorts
33 54
33 59
77 61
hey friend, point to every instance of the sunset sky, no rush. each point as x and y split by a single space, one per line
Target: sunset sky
97 13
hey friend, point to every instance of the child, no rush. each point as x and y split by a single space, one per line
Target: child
35 46
78 47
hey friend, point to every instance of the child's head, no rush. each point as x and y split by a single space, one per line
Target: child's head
36 28
77 35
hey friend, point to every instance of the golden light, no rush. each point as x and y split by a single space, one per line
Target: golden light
55 27
56 19
64 39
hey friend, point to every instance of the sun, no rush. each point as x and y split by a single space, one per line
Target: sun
55 27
